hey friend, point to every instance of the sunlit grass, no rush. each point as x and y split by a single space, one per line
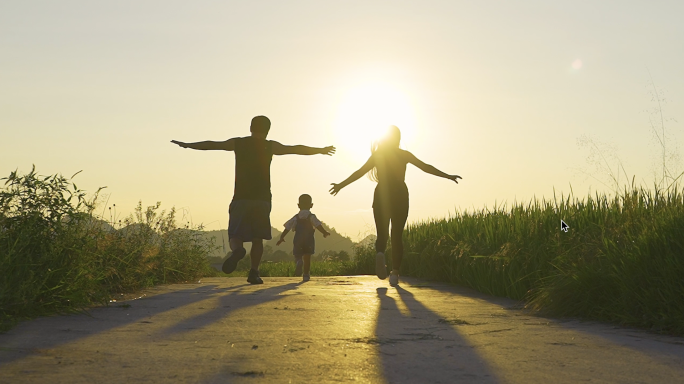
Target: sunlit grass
622 259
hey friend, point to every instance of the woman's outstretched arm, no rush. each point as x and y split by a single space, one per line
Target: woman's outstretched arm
353 177
427 168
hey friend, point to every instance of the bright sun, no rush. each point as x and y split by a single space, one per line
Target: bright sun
364 115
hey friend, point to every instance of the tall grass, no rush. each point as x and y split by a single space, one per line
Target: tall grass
622 259
56 255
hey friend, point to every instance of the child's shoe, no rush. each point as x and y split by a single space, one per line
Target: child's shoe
380 267
306 278
394 279
298 267
254 277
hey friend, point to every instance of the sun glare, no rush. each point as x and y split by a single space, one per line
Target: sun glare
364 115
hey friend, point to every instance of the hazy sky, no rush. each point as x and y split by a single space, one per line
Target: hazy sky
498 92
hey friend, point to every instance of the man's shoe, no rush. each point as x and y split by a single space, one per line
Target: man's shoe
380 267
232 261
254 278
298 267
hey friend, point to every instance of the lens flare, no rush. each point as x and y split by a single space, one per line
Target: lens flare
577 64
364 115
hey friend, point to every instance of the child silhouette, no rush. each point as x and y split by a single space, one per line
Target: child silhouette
304 225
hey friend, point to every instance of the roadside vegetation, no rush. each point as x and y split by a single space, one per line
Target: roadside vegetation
57 255
621 260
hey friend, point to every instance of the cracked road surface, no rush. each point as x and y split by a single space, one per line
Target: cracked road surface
330 329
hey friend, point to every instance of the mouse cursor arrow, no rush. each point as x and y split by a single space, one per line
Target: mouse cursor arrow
564 227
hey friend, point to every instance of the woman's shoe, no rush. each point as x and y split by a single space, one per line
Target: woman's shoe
380 267
394 279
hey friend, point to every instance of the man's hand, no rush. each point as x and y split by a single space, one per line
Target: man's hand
180 143
455 178
330 150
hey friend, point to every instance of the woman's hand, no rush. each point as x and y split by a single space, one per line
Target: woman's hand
335 188
180 143
454 178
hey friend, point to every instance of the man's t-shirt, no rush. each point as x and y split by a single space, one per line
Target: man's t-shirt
253 169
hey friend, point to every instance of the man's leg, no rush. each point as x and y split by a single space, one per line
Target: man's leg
236 214
256 253
235 243
238 252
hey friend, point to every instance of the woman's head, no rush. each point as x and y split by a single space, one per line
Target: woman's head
391 138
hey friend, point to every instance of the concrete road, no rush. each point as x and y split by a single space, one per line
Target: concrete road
331 329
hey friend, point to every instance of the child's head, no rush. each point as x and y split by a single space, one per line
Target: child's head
305 202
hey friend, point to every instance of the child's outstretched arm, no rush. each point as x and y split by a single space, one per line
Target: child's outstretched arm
323 231
280 149
282 236
228 145
353 177
427 168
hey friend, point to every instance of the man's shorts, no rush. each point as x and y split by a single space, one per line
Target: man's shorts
249 219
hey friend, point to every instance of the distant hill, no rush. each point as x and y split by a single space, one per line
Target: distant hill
335 242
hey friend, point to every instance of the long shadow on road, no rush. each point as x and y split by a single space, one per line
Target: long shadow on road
50 332
415 347
227 304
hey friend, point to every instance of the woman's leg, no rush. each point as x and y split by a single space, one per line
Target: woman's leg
382 221
397 243
400 210
382 218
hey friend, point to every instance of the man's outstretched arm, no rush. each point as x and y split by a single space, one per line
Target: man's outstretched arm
228 145
280 149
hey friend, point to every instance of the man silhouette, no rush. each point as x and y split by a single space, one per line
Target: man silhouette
249 212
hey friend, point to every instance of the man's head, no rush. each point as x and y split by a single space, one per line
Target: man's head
260 126
305 202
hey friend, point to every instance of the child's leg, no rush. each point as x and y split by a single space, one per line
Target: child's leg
307 264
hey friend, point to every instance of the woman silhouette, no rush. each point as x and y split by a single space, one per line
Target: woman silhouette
387 166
